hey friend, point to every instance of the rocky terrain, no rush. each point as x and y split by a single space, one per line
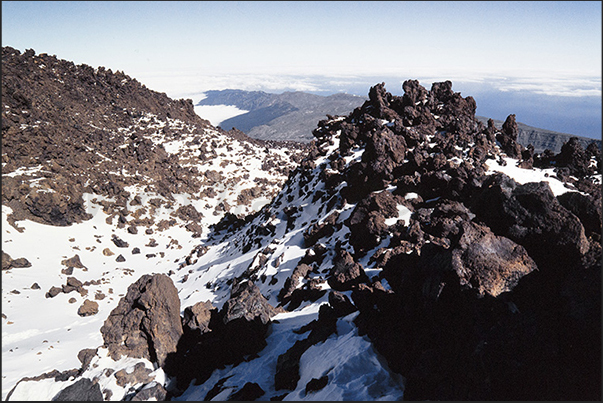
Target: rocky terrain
141 176
541 139
293 116
73 132
413 253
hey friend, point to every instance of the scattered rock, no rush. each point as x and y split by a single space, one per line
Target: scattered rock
151 392
74 262
88 308
119 242
53 292
140 374
346 272
9 263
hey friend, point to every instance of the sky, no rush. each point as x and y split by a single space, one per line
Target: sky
186 47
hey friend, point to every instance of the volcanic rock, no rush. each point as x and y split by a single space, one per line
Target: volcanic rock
346 272
9 263
146 323
83 390
198 316
88 308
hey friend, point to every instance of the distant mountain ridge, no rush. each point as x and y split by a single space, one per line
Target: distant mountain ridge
288 116
293 115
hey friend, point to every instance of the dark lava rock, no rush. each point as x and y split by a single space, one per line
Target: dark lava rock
235 332
146 323
341 304
323 230
88 308
151 392
574 157
84 390
198 316
530 215
316 384
120 243
249 392
53 292
346 272
73 284
9 263
587 208
508 138
291 283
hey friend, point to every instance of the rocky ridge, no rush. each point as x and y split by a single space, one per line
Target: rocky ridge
402 226
293 116
103 179
73 134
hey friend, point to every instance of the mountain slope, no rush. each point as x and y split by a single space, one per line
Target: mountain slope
292 116
72 130
408 255
103 178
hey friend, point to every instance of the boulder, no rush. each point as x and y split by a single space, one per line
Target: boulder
346 272
574 157
367 221
84 390
9 263
531 216
508 138
198 316
88 308
488 263
146 323
249 392
151 392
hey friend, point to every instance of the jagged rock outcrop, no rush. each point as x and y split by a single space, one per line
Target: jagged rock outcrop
484 265
467 282
228 336
531 215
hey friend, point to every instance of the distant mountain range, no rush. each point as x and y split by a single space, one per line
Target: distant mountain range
293 115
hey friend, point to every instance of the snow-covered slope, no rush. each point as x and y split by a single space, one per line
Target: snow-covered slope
315 257
127 182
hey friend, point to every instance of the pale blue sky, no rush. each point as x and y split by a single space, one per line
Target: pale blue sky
515 39
187 47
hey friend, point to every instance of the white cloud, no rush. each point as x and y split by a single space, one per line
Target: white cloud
191 85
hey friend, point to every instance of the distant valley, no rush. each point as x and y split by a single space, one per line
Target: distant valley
293 115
